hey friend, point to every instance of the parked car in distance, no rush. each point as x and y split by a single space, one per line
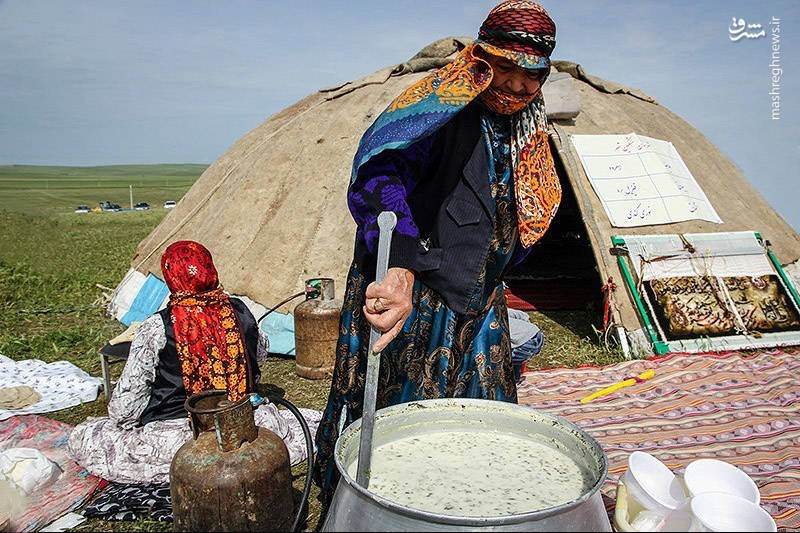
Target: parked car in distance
169 204
83 209
108 206
142 206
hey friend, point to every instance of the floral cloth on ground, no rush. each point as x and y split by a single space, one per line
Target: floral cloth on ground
59 385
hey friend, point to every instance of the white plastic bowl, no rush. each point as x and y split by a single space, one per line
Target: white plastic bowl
652 484
718 511
711 475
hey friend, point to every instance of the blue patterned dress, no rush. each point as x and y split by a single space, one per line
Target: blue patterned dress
439 353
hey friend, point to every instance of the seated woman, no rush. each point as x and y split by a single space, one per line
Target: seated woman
203 340
526 340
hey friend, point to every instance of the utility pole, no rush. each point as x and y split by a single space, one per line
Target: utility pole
130 187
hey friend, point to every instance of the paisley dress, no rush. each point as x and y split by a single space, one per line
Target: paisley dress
439 353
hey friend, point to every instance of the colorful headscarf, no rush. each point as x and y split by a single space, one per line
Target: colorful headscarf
523 32
208 337
520 30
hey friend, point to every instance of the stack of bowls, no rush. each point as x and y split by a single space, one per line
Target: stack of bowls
713 496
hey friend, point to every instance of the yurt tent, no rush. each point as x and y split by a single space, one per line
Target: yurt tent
273 208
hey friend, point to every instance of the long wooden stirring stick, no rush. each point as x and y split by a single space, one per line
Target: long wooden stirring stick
386 224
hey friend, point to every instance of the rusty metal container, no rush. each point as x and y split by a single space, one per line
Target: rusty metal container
316 330
233 475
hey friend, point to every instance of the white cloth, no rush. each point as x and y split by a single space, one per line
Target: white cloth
68 522
125 293
60 384
29 469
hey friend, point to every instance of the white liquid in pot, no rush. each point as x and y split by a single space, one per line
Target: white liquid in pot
474 474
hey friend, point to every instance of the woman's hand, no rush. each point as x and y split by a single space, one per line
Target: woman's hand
394 293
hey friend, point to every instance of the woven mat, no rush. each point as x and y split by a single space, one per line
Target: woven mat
75 485
743 408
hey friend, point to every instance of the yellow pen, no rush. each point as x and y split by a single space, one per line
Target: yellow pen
647 374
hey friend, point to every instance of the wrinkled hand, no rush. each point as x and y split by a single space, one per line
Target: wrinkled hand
395 292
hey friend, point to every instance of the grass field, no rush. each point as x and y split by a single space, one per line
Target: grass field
49 190
52 259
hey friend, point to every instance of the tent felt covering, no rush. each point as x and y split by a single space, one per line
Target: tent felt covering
273 208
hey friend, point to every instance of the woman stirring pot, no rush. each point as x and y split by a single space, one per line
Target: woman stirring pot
462 158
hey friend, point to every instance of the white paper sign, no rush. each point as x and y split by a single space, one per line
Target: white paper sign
641 181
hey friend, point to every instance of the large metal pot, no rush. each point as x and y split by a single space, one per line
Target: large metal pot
355 508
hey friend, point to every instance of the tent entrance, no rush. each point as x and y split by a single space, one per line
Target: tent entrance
709 292
560 273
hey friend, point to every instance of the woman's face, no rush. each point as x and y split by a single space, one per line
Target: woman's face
511 78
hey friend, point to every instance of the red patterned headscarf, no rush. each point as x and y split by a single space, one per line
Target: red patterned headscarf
520 26
208 337
522 32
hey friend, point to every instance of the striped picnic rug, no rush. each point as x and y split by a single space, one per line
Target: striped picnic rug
740 407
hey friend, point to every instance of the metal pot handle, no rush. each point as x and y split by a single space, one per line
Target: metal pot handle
258 400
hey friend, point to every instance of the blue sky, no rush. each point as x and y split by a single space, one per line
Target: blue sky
90 82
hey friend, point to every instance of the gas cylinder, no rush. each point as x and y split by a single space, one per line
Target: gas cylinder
316 330
232 475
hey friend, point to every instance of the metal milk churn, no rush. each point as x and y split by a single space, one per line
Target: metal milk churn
316 330
233 475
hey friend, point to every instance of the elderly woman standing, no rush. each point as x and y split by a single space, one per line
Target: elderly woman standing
462 158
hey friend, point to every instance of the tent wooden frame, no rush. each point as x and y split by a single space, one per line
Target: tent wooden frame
662 346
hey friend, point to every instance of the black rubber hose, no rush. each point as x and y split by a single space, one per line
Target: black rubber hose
289 299
309 449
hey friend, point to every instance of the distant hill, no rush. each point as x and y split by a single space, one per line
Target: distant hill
160 171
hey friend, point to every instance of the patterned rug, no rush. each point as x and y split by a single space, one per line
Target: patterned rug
132 502
743 408
75 485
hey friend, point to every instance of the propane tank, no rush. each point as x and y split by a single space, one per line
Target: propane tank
232 475
316 330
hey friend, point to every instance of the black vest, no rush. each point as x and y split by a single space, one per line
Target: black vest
454 211
167 393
